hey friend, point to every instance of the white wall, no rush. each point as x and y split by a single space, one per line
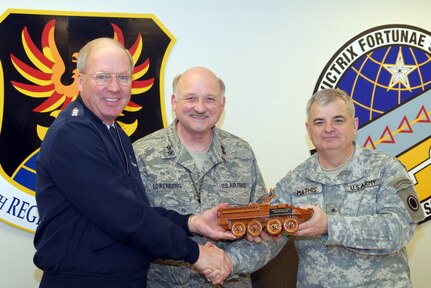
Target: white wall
270 54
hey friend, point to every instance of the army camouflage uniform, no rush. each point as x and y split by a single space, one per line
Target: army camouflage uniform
372 209
173 181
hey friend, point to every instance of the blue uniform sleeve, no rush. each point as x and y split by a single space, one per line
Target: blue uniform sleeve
92 182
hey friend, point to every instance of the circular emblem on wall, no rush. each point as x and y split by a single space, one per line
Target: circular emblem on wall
387 72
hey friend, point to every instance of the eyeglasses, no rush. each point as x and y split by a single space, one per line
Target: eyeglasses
102 78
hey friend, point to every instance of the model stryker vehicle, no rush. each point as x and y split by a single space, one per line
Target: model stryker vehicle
253 217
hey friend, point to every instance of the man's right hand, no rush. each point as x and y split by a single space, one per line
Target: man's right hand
213 263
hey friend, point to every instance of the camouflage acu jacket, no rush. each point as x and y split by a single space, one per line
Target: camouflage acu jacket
173 181
372 208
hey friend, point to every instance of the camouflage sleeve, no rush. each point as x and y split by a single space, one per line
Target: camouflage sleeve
247 257
390 228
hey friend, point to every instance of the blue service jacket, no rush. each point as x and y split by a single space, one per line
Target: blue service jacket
97 228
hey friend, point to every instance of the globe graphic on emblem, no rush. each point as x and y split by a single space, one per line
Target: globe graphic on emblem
385 78
26 172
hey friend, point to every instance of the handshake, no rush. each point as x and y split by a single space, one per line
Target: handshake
213 262
230 223
213 223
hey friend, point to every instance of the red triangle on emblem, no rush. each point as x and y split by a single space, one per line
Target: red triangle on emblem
404 123
424 113
385 133
369 142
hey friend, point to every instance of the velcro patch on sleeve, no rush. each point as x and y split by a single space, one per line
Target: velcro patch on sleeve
407 192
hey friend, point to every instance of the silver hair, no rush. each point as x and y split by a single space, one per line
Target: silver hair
326 96
81 64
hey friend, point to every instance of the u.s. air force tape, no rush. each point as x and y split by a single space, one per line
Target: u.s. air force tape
407 193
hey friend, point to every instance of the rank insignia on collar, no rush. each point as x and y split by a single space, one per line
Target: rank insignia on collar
75 111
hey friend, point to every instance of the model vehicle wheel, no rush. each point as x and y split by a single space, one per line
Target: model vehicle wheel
290 225
238 229
273 227
254 228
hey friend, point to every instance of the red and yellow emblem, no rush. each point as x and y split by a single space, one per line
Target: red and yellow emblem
38 78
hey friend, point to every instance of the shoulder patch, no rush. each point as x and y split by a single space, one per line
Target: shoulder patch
407 192
401 183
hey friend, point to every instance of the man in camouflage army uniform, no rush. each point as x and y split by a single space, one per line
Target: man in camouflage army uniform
365 206
191 166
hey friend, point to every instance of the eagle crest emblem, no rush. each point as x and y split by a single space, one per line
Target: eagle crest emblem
38 79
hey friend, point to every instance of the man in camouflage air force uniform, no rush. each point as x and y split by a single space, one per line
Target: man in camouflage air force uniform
365 206
191 166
